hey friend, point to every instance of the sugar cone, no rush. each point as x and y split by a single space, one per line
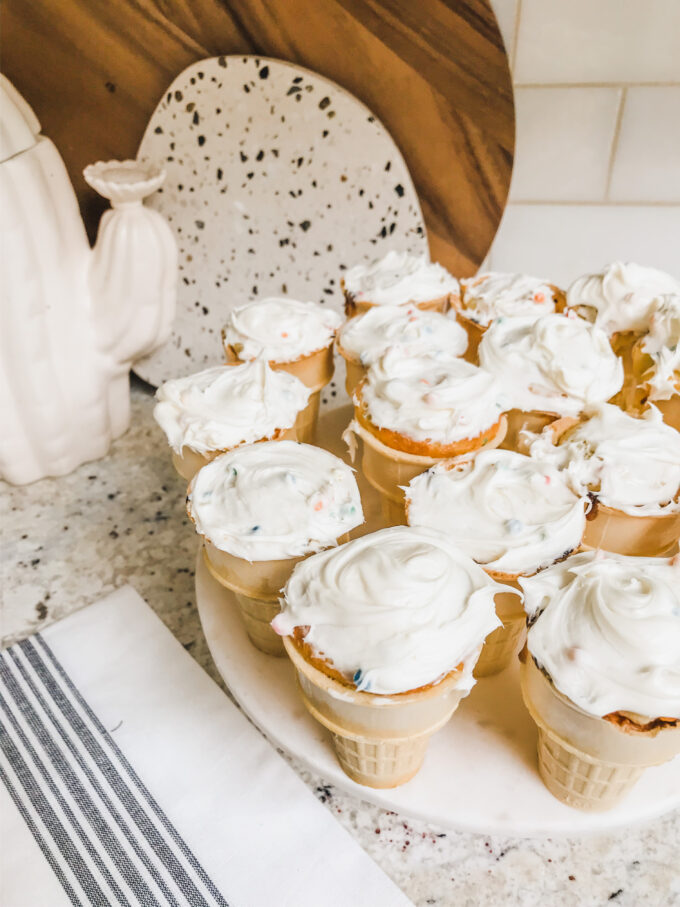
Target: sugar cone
354 307
354 370
380 741
670 410
623 533
307 418
503 643
188 461
587 762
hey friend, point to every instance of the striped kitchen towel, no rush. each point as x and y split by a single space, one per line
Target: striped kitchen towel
129 778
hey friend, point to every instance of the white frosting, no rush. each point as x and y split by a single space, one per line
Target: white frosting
510 513
274 500
395 610
555 364
222 407
622 296
280 329
662 343
488 296
433 397
631 464
608 633
366 337
399 278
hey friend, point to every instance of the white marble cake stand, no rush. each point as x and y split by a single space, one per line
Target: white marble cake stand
480 770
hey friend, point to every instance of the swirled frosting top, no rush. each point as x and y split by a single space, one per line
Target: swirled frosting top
607 631
630 464
493 294
431 397
222 407
399 278
280 329
366 337
510 513
394 610
621 297
274 500
555 364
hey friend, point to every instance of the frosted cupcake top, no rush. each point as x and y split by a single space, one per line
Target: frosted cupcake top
274 500
630 464
399 278
555 364
222 407
608 632
394 610
621 297
662 343
433 397
366 337
280 329
488 296
510 513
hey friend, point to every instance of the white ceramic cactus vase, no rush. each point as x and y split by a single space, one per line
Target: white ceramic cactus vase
72 318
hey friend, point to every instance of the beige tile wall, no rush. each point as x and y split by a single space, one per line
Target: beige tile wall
597 158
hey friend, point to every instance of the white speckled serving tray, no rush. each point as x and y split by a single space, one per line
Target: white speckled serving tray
480 772
277 180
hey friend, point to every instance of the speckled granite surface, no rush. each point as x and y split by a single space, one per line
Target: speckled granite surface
66 542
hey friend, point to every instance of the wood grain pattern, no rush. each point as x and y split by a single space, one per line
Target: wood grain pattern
435 72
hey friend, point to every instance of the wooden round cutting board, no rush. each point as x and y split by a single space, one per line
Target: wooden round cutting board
434 72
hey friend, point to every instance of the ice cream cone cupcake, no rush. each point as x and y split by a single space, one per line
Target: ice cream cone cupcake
655 363
550 367
601 673
412 412
384 632
222 408
362 340
492 295
630 468
513 515
398 279
260 510
621 299
295 337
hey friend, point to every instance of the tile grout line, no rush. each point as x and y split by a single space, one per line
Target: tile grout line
615 142
622 84
590 203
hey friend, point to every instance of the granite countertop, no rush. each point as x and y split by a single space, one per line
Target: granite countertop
122 520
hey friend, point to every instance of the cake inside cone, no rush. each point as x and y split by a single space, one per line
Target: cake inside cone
492 295
621 298
398 278
274 501
555 364
392 612
602 680
221 408
432 405
279 329
365 338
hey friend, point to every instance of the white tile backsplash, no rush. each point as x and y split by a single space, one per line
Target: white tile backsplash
647 162
563 143
560 242
572 41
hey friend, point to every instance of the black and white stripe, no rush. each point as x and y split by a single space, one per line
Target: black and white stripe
105 836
